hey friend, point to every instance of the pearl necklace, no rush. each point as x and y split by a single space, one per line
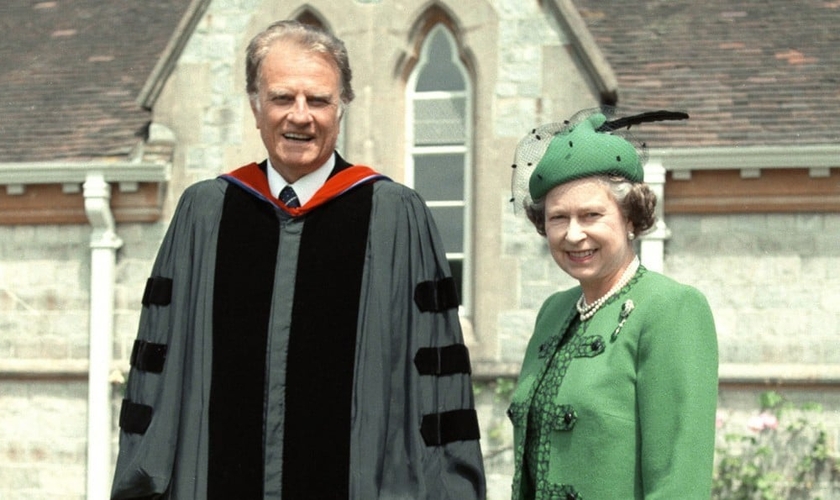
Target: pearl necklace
588 310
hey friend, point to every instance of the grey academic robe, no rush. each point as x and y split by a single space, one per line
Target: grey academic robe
316 354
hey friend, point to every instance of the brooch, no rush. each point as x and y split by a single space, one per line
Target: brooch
626 309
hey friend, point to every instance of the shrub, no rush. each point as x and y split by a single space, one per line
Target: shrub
782 453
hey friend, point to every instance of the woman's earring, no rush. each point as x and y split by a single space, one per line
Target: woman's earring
631 236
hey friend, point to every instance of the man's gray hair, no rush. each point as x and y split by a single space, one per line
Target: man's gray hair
307 36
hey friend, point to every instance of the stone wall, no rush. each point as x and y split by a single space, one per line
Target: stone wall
43 329
42 439
44 317
44 281
771 280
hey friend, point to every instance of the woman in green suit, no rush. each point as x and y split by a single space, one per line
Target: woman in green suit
617 394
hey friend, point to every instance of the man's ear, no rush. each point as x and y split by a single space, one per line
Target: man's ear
255 108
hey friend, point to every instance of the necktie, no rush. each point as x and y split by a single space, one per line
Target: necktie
289 197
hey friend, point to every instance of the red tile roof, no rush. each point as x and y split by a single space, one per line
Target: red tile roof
749 72
70 71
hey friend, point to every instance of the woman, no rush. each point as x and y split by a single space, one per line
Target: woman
617 394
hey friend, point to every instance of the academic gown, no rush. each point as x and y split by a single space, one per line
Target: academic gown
310 353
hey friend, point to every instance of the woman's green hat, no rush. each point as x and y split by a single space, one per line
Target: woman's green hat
581 152
590 144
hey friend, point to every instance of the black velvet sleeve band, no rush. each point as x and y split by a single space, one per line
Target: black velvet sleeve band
436 295
134 417
148 357
158 291
445 360
439 429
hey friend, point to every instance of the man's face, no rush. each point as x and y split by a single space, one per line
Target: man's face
298 108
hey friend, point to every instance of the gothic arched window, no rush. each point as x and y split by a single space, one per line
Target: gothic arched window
439 107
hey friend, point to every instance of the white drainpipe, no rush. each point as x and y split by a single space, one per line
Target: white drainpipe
104 243
652 244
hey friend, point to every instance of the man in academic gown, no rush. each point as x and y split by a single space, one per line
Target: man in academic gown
305 344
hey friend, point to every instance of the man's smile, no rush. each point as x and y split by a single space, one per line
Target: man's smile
297 137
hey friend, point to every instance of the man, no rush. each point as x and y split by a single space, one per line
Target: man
299 349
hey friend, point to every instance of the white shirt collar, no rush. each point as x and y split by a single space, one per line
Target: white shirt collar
306 186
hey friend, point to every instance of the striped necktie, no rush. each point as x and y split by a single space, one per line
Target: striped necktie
289 197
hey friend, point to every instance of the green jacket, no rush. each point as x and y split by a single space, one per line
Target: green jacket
633 413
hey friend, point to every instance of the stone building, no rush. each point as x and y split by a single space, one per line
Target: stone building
108 112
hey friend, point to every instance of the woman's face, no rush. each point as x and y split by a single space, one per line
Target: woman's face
587 234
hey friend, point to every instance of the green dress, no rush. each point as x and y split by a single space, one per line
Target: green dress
620 406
